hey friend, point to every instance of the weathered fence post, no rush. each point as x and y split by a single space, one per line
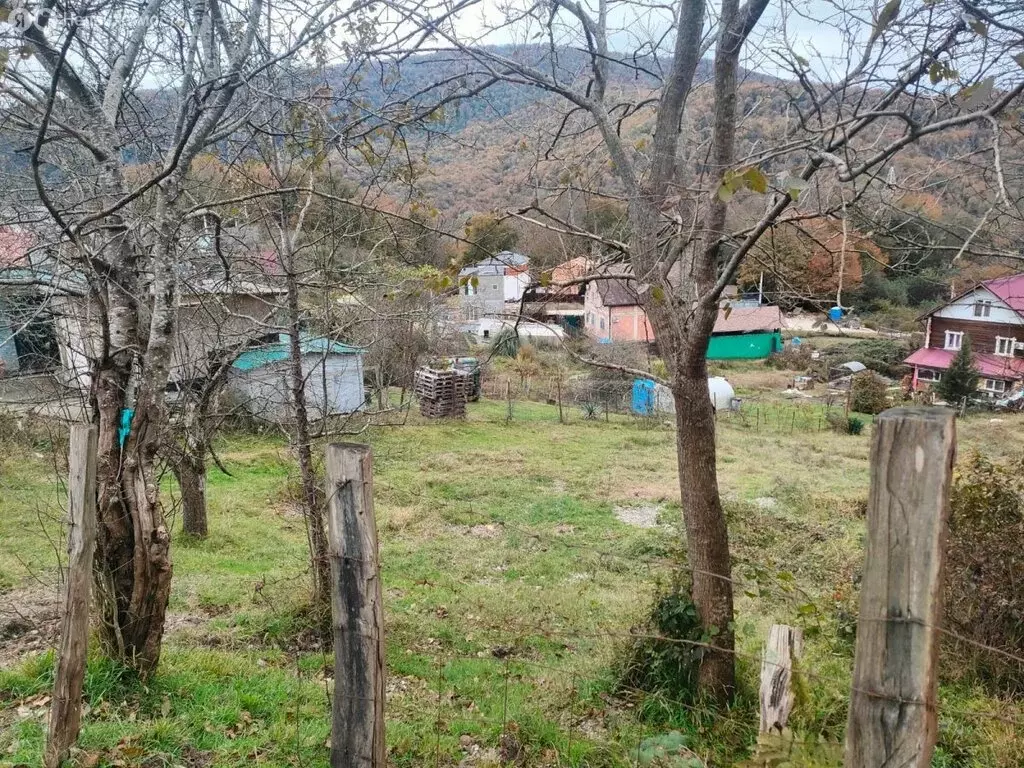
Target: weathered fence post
893 704
66 708
357 716
784 646
508 398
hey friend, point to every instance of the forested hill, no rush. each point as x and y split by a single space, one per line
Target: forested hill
430 77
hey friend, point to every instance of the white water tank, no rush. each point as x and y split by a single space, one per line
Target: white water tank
721 393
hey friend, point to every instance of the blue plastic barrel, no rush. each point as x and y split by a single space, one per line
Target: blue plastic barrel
835 314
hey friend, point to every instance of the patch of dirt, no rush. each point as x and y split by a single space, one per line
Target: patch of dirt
482 531
29 622
657 490
639 515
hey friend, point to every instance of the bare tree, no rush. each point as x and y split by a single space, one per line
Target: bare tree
117 103
886 83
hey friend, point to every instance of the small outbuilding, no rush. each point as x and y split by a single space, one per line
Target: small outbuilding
746 333
333 374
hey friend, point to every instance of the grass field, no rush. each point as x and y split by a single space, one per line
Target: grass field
510 583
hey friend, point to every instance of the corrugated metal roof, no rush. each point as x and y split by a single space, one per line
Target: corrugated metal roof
497 265
992 366
747 319
617 292
257 357
1009 289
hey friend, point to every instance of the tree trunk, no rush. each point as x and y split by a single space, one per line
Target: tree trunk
707 536
190 470
133 562
315 531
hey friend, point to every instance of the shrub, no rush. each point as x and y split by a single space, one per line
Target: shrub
838 422
506 343
984 588
885 356
666 666
791 358
869 393
854 426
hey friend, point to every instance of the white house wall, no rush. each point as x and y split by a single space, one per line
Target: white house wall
515 286
963 308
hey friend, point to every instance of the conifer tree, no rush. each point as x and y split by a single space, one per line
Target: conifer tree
961 378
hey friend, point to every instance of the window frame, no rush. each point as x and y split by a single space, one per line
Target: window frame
993 390
1010 350
983 307
959 338
931 377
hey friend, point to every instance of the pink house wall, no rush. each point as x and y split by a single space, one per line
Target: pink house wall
628 323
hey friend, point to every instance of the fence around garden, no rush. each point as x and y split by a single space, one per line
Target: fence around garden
894 705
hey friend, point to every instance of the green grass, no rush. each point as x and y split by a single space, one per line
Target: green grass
509 584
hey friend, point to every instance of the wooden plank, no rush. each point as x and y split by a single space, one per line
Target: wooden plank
66 708
893 704
785 645
357 717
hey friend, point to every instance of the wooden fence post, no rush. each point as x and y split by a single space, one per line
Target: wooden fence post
893 704
784 646
66 708
357 714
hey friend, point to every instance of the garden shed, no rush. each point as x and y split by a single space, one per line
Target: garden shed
746 333
333 375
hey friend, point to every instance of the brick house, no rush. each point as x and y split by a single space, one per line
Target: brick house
991 315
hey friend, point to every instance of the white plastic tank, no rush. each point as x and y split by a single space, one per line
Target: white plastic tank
721 393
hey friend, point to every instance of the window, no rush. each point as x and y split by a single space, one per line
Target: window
993 385
1005 346
954 339
602 324
982 308
487 333
927 374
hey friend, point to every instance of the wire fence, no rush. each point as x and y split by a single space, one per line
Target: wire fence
584 399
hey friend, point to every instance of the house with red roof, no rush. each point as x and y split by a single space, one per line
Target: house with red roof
991 315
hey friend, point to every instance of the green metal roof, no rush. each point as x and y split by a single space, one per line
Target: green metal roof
257 357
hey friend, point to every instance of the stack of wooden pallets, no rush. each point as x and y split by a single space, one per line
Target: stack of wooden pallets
442 393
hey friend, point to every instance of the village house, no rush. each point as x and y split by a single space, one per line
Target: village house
47 326
557 300
991 315
612 313
489 286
